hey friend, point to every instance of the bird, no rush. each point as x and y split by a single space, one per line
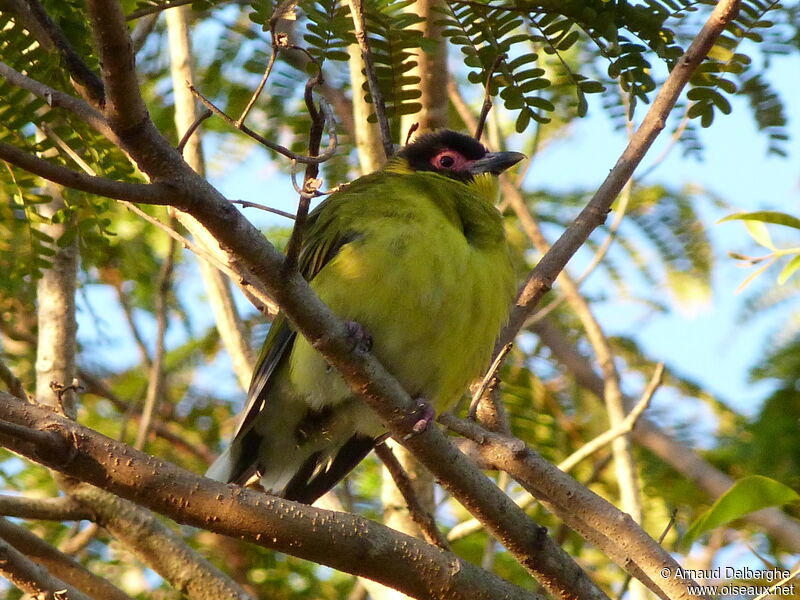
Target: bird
414 258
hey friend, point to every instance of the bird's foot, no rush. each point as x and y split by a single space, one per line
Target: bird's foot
362 340
422 417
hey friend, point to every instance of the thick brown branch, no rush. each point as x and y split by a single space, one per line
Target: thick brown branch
124 107
156 545
59 564
33 578
342 541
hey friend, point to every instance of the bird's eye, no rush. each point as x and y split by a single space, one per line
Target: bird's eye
446 161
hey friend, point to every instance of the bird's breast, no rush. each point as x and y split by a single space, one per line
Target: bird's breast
432 301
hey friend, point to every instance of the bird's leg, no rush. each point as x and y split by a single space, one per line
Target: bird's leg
362 340
421 418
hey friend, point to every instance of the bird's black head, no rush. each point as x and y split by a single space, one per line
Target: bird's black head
455 155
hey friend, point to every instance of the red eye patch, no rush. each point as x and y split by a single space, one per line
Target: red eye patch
450 160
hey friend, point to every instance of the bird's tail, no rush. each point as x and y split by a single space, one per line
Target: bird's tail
302 472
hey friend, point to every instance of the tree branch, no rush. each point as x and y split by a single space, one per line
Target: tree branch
542 276
684 460
32 578
13 384
346 542
59 564
472 525
357 13
86 80
61 508
154 193
58 99
156 545
156 377
595 519
612 391
421 517
124 107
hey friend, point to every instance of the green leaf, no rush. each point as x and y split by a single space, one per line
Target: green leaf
765 216
789 269
759 232
747 495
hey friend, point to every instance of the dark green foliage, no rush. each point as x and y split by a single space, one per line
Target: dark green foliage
487 37
392 40
328 30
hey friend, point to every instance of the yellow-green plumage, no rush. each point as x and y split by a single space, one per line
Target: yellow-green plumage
420 261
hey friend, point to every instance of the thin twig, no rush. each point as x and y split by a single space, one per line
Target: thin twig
127 310
310 182
149 10
269 209
488 379
260 87
357 12
155 384
58 99
264 141
419 515
278 41
81 539
61 508
256 294
487 96
192 128
624 427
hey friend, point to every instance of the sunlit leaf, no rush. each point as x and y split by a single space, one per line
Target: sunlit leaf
765 216
747 495
789 269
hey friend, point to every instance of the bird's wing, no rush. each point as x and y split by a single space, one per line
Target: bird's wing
316 252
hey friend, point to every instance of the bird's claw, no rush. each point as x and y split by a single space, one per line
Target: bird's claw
362 340
423 415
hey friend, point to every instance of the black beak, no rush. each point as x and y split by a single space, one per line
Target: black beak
495 162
